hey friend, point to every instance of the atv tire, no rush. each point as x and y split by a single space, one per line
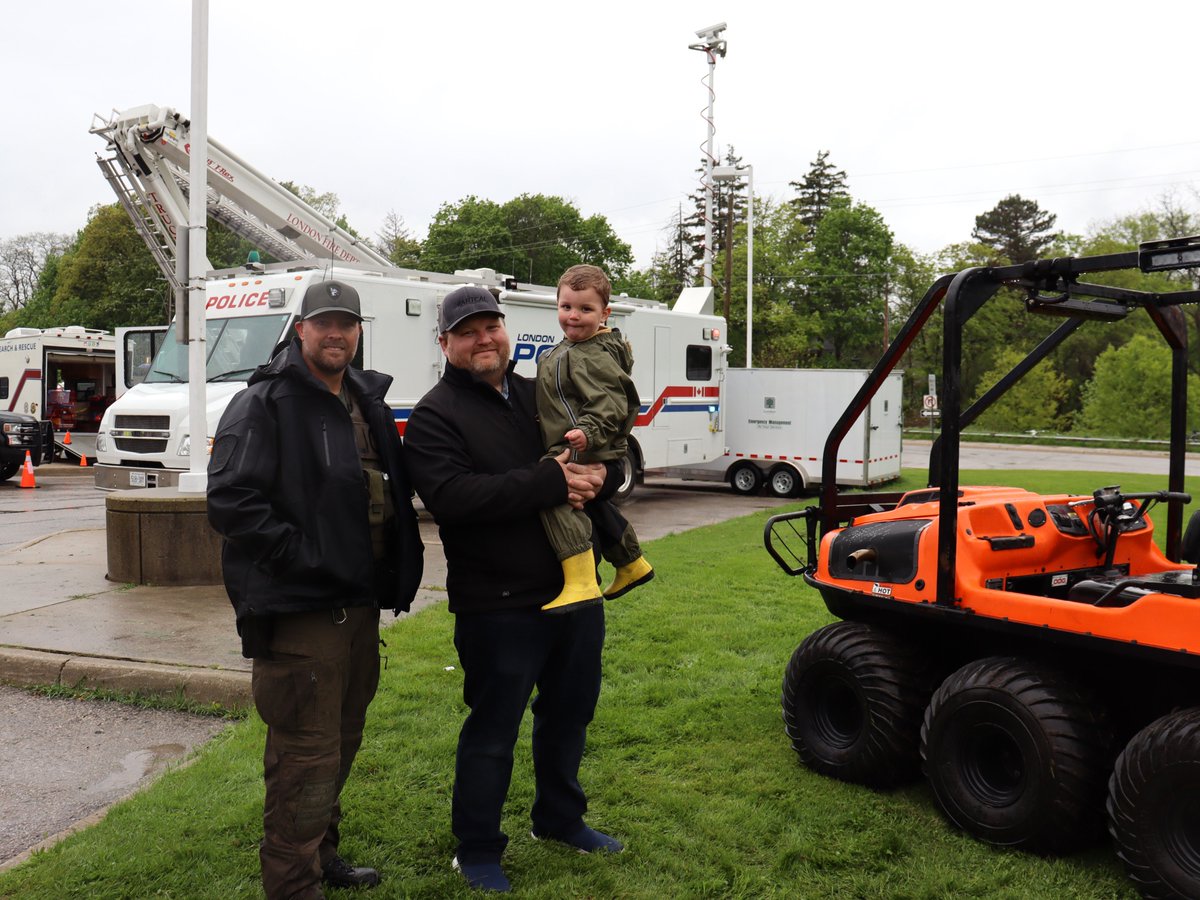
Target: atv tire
853 697
1154 806
1017 755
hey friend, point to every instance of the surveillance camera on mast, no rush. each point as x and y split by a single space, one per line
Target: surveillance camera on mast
711 37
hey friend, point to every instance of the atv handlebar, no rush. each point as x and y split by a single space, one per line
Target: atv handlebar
1114 496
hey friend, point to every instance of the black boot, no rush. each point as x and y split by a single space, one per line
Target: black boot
340 873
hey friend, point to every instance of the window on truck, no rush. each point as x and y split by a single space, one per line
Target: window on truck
140 350
236 347
4 388
699 363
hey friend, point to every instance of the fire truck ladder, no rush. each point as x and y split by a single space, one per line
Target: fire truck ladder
150 155
137 206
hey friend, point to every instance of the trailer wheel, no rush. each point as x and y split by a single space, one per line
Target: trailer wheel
852 702
8 470
784 481
745 478
1154 806
1017 755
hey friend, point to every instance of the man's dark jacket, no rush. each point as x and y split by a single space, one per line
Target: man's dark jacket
475 459
286 490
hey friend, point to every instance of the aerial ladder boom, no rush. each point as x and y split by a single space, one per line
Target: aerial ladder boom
147 166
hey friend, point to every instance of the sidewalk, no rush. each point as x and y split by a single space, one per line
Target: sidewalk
62 622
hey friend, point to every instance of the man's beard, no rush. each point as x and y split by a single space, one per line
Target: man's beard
318 362
476 366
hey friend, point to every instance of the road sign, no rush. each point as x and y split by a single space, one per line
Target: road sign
931 413
930 401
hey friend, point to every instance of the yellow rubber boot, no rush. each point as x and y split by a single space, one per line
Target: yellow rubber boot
628 577
579 584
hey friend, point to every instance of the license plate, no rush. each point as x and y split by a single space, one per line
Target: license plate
137 479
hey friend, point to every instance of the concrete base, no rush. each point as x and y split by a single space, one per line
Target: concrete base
161 536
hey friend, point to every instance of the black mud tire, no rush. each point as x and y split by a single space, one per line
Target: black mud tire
784 481
745 479
8 470
853 697
1018 755
1154 806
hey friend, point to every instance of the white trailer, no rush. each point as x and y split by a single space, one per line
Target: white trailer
680 362
65 377
777 420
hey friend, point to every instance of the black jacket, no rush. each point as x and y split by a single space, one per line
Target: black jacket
286 491
475 459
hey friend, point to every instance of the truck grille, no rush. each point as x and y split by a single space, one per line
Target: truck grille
141 444
141 434
163 422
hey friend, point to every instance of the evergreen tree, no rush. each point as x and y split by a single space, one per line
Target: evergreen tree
817 191
1016 229
724 194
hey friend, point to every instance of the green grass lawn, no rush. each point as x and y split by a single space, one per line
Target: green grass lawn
687 763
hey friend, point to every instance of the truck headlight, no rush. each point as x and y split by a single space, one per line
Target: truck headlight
101 442
185 446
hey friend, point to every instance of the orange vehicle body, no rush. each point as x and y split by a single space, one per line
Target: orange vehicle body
1012 571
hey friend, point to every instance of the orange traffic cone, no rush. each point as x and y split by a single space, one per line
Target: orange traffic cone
67 439
83 459
27 479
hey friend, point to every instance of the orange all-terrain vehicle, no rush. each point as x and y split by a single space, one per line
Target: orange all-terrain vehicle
1038 657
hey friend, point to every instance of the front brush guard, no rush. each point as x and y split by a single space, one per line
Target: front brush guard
782 539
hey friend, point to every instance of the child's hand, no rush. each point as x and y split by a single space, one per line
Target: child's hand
577 439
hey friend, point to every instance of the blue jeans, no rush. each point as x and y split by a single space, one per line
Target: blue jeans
504 655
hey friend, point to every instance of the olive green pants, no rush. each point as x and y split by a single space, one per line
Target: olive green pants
569 531
313 694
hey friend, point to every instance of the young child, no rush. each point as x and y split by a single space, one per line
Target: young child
586 401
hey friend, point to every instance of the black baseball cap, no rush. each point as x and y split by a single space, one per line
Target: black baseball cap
464 302
330 297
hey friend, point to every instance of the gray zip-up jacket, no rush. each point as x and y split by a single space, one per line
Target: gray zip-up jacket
588 386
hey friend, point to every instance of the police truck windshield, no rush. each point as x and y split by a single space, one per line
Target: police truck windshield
236 347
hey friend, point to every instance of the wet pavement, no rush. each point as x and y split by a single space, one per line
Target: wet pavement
79 757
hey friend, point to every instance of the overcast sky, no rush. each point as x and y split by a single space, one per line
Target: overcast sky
936 110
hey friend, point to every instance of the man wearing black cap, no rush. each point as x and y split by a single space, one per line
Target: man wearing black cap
307 485
474 451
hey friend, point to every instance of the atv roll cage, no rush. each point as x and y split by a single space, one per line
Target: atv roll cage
1052 287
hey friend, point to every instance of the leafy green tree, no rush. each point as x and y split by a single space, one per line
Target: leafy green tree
817 191
106 279
1130 393
1016 229
786 334
533 237
847 272
1033 404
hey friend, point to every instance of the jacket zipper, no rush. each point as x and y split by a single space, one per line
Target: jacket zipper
325 438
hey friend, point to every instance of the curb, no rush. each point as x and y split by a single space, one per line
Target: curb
32 668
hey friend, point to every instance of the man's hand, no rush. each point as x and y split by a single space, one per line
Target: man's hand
583 479
577 439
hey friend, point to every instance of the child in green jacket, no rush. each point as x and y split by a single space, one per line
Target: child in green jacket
587 401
